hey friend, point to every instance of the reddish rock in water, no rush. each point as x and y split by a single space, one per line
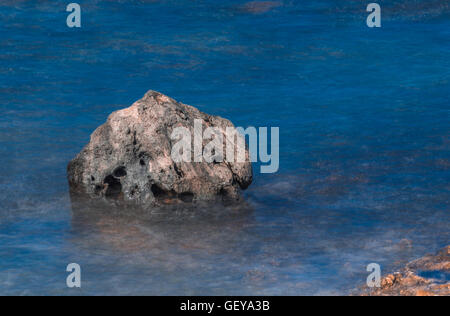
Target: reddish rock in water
427 276
129 158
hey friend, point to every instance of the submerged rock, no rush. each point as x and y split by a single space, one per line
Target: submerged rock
428 276
129 158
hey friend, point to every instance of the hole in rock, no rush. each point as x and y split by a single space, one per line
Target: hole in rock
178 171
226 196
223 192
98 189
134 191
187 197
120 172
158 192
163 195
114 187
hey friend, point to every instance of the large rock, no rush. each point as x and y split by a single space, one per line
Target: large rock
128 159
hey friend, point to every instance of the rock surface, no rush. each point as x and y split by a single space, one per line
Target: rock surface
427 276
128 159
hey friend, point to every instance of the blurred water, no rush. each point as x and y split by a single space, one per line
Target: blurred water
364 131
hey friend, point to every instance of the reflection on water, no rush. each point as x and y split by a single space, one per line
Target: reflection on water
178 227
365 144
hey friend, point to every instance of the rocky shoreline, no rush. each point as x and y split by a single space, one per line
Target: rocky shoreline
427 276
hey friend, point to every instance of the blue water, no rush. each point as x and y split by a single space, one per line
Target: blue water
364 131
439 276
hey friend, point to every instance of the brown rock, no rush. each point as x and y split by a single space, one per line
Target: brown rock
128 159
408 282
389 281
423 293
